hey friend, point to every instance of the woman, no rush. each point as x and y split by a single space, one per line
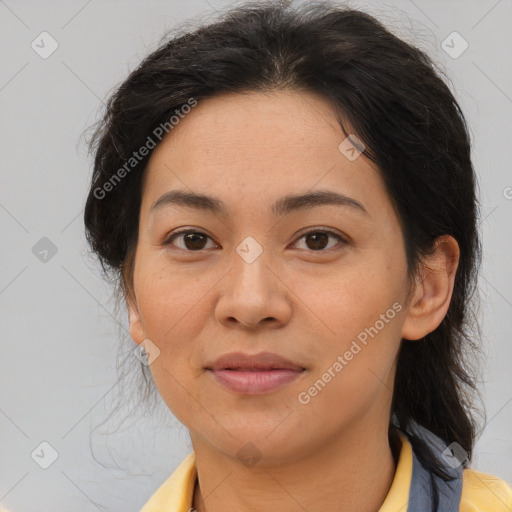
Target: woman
287 199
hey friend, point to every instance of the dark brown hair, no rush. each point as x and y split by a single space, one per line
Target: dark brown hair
393 98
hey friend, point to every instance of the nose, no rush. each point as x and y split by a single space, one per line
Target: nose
253 296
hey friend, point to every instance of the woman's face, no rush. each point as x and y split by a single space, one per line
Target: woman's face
253 280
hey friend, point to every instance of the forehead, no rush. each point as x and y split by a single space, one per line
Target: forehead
249 119
255 143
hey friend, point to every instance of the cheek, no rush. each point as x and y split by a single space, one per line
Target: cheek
171 306
171 301
354 368
351 299
359 318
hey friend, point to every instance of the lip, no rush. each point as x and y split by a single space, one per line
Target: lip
254 374
248 362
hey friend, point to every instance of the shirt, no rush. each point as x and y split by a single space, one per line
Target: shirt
480 492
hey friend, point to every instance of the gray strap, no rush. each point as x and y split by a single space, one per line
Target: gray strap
421 496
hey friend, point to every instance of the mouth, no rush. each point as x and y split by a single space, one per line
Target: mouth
254 374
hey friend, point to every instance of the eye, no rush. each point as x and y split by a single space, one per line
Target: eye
193 240
317 239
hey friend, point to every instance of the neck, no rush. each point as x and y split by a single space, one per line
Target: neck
352 472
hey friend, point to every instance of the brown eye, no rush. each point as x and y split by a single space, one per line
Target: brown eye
318 240
192 240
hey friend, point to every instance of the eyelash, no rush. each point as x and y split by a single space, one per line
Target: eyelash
340 239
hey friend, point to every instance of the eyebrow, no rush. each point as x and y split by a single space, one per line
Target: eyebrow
281 207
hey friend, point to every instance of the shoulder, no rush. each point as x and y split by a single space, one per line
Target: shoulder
484 493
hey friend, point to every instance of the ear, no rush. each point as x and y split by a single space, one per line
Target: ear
432 292
136 328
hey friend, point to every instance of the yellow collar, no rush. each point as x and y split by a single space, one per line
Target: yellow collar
398 495
480 492
177 492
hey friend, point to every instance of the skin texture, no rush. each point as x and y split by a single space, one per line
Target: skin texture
307 305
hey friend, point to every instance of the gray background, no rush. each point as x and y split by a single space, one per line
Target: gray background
60 336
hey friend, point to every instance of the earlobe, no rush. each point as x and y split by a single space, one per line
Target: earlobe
433 290
136 329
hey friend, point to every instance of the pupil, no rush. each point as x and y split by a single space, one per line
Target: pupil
323 238
192 237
